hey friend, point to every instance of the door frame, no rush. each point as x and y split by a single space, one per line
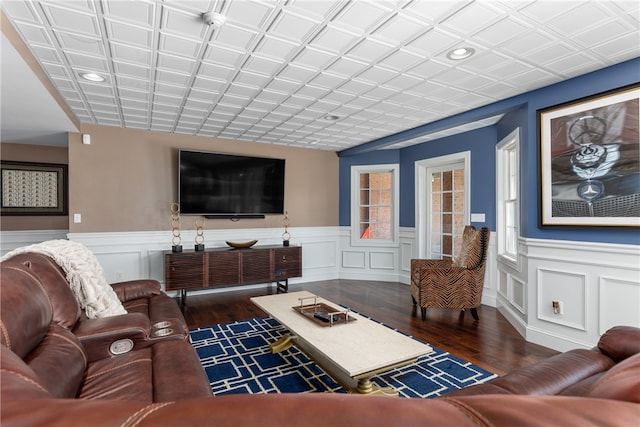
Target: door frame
423 186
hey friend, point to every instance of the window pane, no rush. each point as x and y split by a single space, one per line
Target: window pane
447 181
508 193
511 241
447 224
436 225
376 201
447 244
458 201
509 214
436 202
436 182
364 180
513 170
457 245
458 223
458 179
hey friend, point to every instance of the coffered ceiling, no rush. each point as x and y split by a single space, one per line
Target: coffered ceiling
322 74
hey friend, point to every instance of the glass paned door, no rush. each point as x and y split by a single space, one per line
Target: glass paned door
447 213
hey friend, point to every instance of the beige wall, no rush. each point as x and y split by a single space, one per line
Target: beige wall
126 180
39 154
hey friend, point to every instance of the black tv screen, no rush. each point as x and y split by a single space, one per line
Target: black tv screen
215 184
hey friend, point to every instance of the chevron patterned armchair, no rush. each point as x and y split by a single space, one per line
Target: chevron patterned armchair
453 283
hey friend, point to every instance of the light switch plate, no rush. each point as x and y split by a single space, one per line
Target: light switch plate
477 217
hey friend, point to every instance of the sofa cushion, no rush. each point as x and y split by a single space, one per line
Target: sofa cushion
25 309
176 362
66 310
622 382
18 379
545 411
581 388
125 377
84 275
59 361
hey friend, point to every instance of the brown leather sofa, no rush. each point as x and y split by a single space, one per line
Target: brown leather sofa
50 376
50 349
611 370
151 312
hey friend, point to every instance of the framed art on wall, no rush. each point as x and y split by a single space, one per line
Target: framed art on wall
33 188
589 160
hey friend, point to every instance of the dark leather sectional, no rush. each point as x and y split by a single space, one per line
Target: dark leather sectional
58 368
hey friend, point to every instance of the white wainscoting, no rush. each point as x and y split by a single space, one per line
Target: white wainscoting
394 264
126 256
597 283
10 240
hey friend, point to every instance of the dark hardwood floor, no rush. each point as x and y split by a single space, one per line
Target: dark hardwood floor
491 343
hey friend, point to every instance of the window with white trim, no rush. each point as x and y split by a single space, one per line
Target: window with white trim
508 193
374 204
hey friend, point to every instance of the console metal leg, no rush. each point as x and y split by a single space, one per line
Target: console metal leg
282 286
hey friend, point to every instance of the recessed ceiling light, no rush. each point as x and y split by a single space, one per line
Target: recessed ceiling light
461 53
331 117
93 77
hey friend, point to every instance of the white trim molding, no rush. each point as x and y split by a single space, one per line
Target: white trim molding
10 240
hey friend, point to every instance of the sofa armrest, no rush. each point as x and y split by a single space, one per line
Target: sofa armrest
620 342
546 377
134 289
109 336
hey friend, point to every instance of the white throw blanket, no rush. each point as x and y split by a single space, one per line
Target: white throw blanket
84 274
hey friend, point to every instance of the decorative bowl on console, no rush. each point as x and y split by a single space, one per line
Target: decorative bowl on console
238 245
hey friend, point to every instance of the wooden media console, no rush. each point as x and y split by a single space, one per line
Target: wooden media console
220 267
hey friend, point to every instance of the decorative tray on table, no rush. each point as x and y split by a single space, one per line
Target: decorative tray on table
321 313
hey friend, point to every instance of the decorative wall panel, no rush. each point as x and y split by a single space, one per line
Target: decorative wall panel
353 259
567 287
618 303
382 260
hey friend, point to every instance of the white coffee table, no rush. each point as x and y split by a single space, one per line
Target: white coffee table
352 352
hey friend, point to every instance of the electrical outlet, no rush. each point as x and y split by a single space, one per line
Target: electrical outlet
557 307
77 218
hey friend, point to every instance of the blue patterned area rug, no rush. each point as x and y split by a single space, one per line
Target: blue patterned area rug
237 359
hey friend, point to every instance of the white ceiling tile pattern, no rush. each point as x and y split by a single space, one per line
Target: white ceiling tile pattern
275 69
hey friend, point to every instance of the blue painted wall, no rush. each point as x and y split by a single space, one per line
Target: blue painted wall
481 143
520 112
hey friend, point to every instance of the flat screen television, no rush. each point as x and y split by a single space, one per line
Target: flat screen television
218 185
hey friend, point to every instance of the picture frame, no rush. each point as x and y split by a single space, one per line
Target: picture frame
589 161
28 188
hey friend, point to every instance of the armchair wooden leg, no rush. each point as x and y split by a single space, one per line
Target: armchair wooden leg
423 313
474 313
414 300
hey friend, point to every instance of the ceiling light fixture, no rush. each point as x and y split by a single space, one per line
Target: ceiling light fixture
214 18
331 117
461 53
92 77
